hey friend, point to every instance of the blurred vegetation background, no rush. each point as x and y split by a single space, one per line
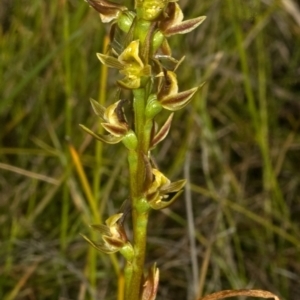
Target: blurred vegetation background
238 143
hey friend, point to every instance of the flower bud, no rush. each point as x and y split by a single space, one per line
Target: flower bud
157 41
150 285
153 107
130 140
125 20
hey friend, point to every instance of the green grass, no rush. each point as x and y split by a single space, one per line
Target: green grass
241 132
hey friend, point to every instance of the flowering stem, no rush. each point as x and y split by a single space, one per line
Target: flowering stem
154 87
137 175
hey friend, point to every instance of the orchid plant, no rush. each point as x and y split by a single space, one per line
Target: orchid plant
154 88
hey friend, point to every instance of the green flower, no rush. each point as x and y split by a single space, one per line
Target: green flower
168 95
172 22
114 121
130 65
161 188
113 236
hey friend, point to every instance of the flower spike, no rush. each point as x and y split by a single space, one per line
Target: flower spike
140 52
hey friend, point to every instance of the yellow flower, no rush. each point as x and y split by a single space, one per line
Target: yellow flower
172 22
113 236
130 65
114 121
168 94
161 188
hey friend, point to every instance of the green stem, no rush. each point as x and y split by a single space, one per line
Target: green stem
139 212
128 276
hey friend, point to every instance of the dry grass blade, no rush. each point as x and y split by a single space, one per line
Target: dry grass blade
12 295
29 174
234 293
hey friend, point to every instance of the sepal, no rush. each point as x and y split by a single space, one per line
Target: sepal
162 133
178 101
173 23
108 139
108 10
168 94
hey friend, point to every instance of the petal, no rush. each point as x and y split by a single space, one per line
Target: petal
161 178
131 54
116 228
115 130
173 16
113 220
109 139
169 85
114 242
114 114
